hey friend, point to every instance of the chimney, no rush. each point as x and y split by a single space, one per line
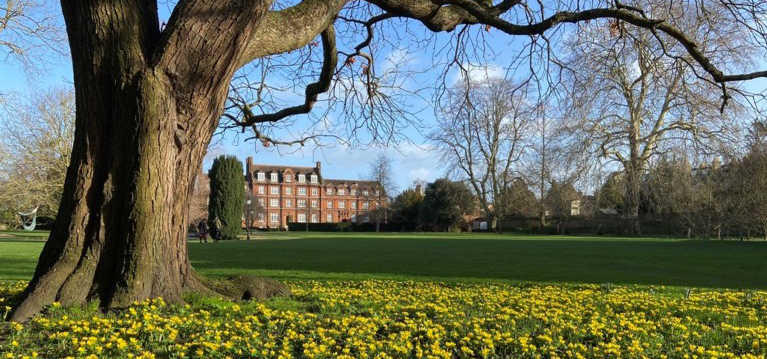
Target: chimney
418 188
319 168
249 166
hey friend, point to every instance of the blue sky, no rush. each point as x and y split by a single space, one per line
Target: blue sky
412 157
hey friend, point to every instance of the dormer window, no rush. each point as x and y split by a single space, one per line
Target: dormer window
365 192
301 178
354 191
261 176
274 177
341 192
329 191
314 178
288 178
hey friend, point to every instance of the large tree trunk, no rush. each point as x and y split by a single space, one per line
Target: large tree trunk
147 105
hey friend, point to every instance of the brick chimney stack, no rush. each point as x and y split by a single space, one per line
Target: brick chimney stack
319 168
249 165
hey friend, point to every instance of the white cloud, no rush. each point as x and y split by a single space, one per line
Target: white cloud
476 73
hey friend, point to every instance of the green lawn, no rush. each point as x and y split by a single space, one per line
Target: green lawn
461 257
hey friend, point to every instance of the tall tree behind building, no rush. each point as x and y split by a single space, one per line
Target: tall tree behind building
227 194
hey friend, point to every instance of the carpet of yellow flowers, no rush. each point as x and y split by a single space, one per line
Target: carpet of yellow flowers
390 319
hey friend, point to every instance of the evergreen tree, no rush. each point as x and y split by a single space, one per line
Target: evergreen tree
227 194
406 207
445 204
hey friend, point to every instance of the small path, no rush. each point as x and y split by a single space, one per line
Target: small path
6 235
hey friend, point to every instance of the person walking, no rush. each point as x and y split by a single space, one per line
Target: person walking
202 231
215 228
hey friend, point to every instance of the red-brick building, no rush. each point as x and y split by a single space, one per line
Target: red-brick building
283 194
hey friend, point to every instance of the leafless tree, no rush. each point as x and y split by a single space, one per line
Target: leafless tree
31 33
630 101
383 186
37 134
481 136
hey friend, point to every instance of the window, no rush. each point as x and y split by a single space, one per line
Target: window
330 204
261 202
274 217
314 178
302 191
288 203
342 204
301 178
314 191
329 191
365 192
330 218
274 202
274 177
315 218
288 190
366 205
354 192
261 176
288 178
314 203
261 190
301 203
354 218
260 217
341 192
354 204
274 190
302 217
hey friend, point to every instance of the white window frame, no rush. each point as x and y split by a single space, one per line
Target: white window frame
353 192
329 191
274 177
314 192
314 178
330 205
302 191
341 204
341 192
288 202
261 202
288 178
288 190
274 217
314 203
301 203
329 218
301 178
315 218
366 205
260 217
261 176
365 192
354 218
274 202
301 217
354 204
261 189
274 190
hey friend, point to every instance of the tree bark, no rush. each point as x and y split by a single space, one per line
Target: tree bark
147 105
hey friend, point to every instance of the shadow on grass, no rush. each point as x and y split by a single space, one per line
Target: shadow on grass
627 261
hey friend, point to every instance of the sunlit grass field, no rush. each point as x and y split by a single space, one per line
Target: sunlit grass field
429 295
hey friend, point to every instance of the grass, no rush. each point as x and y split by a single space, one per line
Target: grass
448 295
472 257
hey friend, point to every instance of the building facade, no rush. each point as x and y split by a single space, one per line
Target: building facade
284 194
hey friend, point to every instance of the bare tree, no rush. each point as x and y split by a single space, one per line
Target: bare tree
383 185
38 131
481 137
630 101
31 33
149 98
